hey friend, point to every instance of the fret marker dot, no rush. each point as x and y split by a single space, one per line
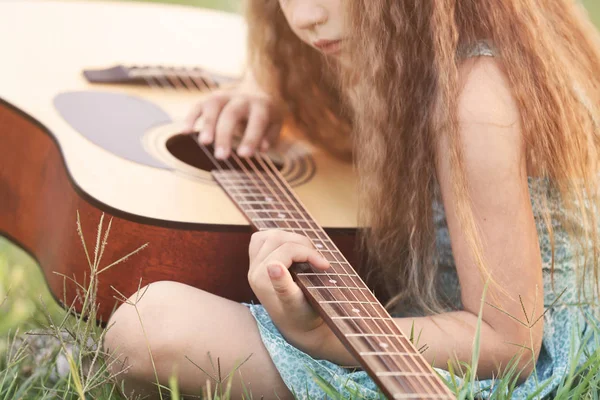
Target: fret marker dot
333 281
281 215
268 198
384 345
356 310
319 245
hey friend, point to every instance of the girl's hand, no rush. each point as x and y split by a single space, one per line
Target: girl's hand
271 253
226 110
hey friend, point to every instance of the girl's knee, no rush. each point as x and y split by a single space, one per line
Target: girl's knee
136 330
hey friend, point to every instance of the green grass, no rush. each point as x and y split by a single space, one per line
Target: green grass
26 305
45 365
593 7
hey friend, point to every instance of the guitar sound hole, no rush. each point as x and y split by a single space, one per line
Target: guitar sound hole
185 148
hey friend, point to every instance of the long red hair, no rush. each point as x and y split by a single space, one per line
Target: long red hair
389 119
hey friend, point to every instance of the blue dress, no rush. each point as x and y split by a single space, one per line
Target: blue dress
568 325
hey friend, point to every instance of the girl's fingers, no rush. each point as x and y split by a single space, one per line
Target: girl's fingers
287 291
284 256
264 243
258 122
214 103
273 133
270 137
232 114
264 145
192 117
210 115
289 253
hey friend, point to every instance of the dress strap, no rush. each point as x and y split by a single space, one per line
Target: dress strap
481 48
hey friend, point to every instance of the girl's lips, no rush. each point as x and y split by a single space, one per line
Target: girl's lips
328 46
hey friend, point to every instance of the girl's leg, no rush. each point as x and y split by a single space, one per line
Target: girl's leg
177 321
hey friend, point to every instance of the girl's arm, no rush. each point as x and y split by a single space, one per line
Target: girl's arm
496 173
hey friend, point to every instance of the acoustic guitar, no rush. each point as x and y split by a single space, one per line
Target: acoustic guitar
77 137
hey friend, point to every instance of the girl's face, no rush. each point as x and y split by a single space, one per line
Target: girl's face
318 23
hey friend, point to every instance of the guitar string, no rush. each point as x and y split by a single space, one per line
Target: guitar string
165 81
161 79
387 319
176 72
370 327
341 263
263 194
187 82
400 338
150 83
329 275
375 348
174 79
199 86
217 164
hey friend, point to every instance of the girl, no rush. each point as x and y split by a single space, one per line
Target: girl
473 127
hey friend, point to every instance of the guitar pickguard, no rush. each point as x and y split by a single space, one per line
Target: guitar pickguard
114 121
140 131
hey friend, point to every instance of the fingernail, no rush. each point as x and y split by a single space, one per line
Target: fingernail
274 270
204 137
264 146
220 152
244 151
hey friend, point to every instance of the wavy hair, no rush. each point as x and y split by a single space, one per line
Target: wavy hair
389 120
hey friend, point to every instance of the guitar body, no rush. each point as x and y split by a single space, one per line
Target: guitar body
69 146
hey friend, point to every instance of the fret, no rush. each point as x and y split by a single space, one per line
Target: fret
251 202
403 373
396 349
361 320
339 287
248 192
322 236
278 220
305 224
281 213
333 279
337 259
263 190
330 287
235 176
329 250
270 210
348 302
268 214
370 335
351 317
325 274
409 396
256 182
277 210
384 353
301 230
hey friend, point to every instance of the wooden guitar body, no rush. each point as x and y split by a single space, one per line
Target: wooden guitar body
69 146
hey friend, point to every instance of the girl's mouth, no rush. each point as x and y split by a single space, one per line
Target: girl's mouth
328 46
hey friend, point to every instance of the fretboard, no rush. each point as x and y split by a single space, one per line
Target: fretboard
339 294
158 76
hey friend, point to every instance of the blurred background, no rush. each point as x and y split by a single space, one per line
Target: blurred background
21 282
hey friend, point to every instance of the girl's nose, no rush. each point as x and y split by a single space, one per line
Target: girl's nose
307 15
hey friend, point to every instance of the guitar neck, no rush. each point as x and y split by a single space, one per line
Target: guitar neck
338 294
158 76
